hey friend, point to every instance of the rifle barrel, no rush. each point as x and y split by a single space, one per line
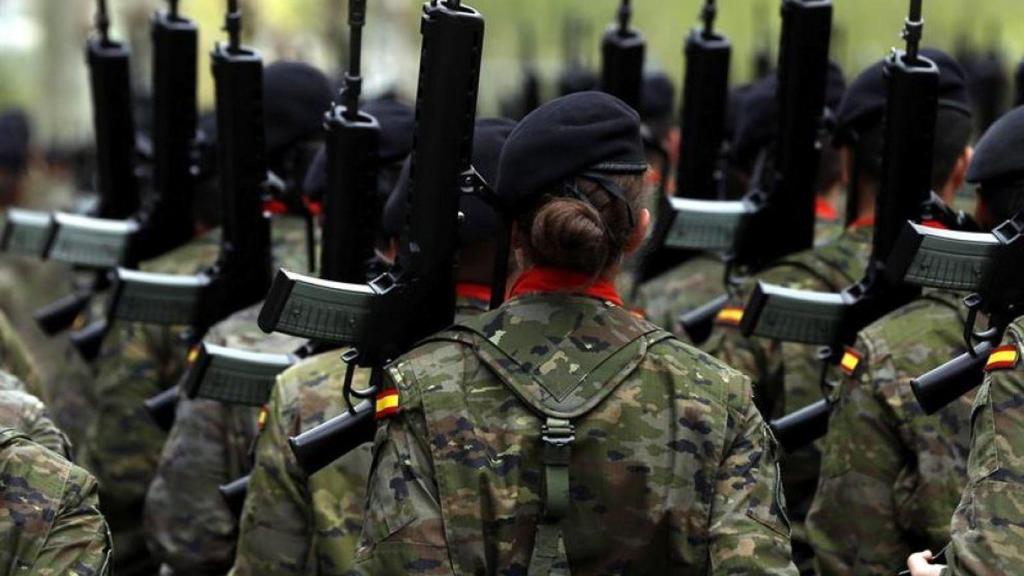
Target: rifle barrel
103 21
233 26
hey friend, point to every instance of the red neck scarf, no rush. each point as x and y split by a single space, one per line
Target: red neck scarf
824 211
542 280
862 222
469 291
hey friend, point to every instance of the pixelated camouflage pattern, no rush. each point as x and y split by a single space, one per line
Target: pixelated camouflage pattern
50 524
292 523
988 526
676 459
188 525
26 413
138 361
898 470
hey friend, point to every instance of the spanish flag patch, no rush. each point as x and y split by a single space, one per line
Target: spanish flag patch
387 403
850 361
730 316
1002 358
193 354
261 420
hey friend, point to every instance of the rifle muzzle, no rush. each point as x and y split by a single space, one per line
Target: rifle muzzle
162 408
234 494
318 447
806 425
942 386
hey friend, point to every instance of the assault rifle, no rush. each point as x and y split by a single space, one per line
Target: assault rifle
94 245
242 273
165 221
985 264
780 203
385 317
622 50
702 125
833 320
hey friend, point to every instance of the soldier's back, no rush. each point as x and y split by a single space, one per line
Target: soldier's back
666 447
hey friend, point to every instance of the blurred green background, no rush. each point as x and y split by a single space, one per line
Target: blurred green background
41 65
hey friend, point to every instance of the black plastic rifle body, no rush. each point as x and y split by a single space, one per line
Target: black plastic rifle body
417 297
623 50
939 387
168 221
911 111
787 214
242 273
702 121
111 88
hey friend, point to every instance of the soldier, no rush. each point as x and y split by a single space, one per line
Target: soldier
297 524
702 278
27 414
786 375
987 534
901 469
50 519
138 361
513 441
188 526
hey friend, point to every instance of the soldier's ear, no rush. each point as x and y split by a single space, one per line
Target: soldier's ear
636 239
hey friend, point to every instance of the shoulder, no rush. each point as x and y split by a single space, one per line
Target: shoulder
310 392
699 373
188 258
917 328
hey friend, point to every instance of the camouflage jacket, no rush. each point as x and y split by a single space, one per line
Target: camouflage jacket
676 458
27 414
988 526
188 525
292 523
49 521
899 469
138 361
690 285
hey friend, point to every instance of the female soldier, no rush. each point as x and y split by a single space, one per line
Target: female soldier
561 433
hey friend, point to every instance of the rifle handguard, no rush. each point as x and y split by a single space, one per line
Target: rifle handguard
707 225
944 259
800 428
942 386
234 494
699 322
792 315
26 233
163 407
233 376
91 242
318 447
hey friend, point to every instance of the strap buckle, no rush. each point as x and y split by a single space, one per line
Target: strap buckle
558 435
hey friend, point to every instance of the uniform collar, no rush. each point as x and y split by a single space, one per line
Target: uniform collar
545 280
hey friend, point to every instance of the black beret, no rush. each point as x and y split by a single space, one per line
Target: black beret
295 97
481 220
657 99
566 137
999 155
577 79
396 121
15 134
757 120
864 103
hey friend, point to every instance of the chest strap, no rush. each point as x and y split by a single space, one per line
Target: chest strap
549 556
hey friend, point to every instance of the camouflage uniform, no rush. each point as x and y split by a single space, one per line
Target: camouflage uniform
676 459
900 471
15 357
188 525
27 414
49 521
988 529
293 523
139 361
